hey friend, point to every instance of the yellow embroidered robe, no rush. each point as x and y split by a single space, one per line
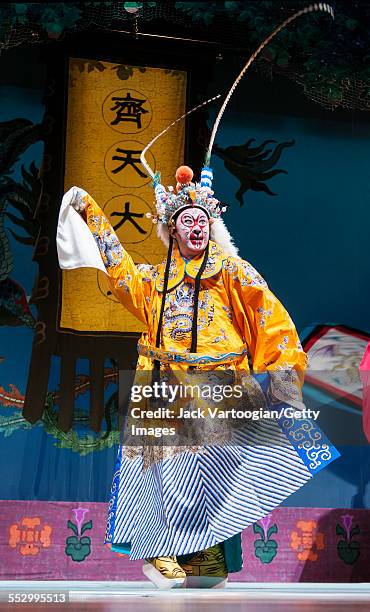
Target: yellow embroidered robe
241 324
174 500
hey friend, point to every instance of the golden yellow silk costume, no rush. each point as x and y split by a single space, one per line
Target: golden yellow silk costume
191 492
241 324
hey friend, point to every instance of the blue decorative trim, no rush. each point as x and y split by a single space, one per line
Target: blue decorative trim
124 548
189 358
311 444
156 179
309 441
112 504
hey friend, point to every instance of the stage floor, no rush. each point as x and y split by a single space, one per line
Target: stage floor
137 596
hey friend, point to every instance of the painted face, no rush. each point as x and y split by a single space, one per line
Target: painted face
192 231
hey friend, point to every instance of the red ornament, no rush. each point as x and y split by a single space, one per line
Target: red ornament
184 174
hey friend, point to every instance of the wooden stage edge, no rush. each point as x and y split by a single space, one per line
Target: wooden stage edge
91 591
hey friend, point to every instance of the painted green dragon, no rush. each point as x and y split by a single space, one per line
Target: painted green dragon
75 439
18 204
16 136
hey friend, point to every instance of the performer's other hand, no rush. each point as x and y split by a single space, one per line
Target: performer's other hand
77 200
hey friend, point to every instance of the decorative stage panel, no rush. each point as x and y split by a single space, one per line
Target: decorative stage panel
64 541
113 112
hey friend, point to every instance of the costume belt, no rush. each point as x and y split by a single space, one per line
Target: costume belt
190 358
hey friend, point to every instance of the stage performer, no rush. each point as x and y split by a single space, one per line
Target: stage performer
179 507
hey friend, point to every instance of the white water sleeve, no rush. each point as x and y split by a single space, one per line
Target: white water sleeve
75 244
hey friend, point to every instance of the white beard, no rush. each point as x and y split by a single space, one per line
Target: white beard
218 233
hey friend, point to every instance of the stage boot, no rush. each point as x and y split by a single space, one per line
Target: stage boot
206 569
164 572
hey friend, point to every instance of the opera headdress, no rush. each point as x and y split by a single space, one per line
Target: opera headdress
169 204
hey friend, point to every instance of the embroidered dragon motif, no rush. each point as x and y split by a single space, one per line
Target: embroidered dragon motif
178 313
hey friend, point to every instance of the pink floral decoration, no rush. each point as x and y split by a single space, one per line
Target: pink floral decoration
265 522
347 522
79 516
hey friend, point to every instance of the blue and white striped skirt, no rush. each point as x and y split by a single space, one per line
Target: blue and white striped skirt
194 500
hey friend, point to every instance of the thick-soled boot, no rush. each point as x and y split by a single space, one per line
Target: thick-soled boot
164 572
206 569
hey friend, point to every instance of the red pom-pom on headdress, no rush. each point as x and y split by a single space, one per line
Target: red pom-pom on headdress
183 175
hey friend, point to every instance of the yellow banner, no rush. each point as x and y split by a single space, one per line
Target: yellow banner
113 112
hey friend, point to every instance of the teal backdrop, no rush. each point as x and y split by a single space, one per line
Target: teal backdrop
310 242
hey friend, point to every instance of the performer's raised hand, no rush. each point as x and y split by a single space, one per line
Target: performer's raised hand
77 200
